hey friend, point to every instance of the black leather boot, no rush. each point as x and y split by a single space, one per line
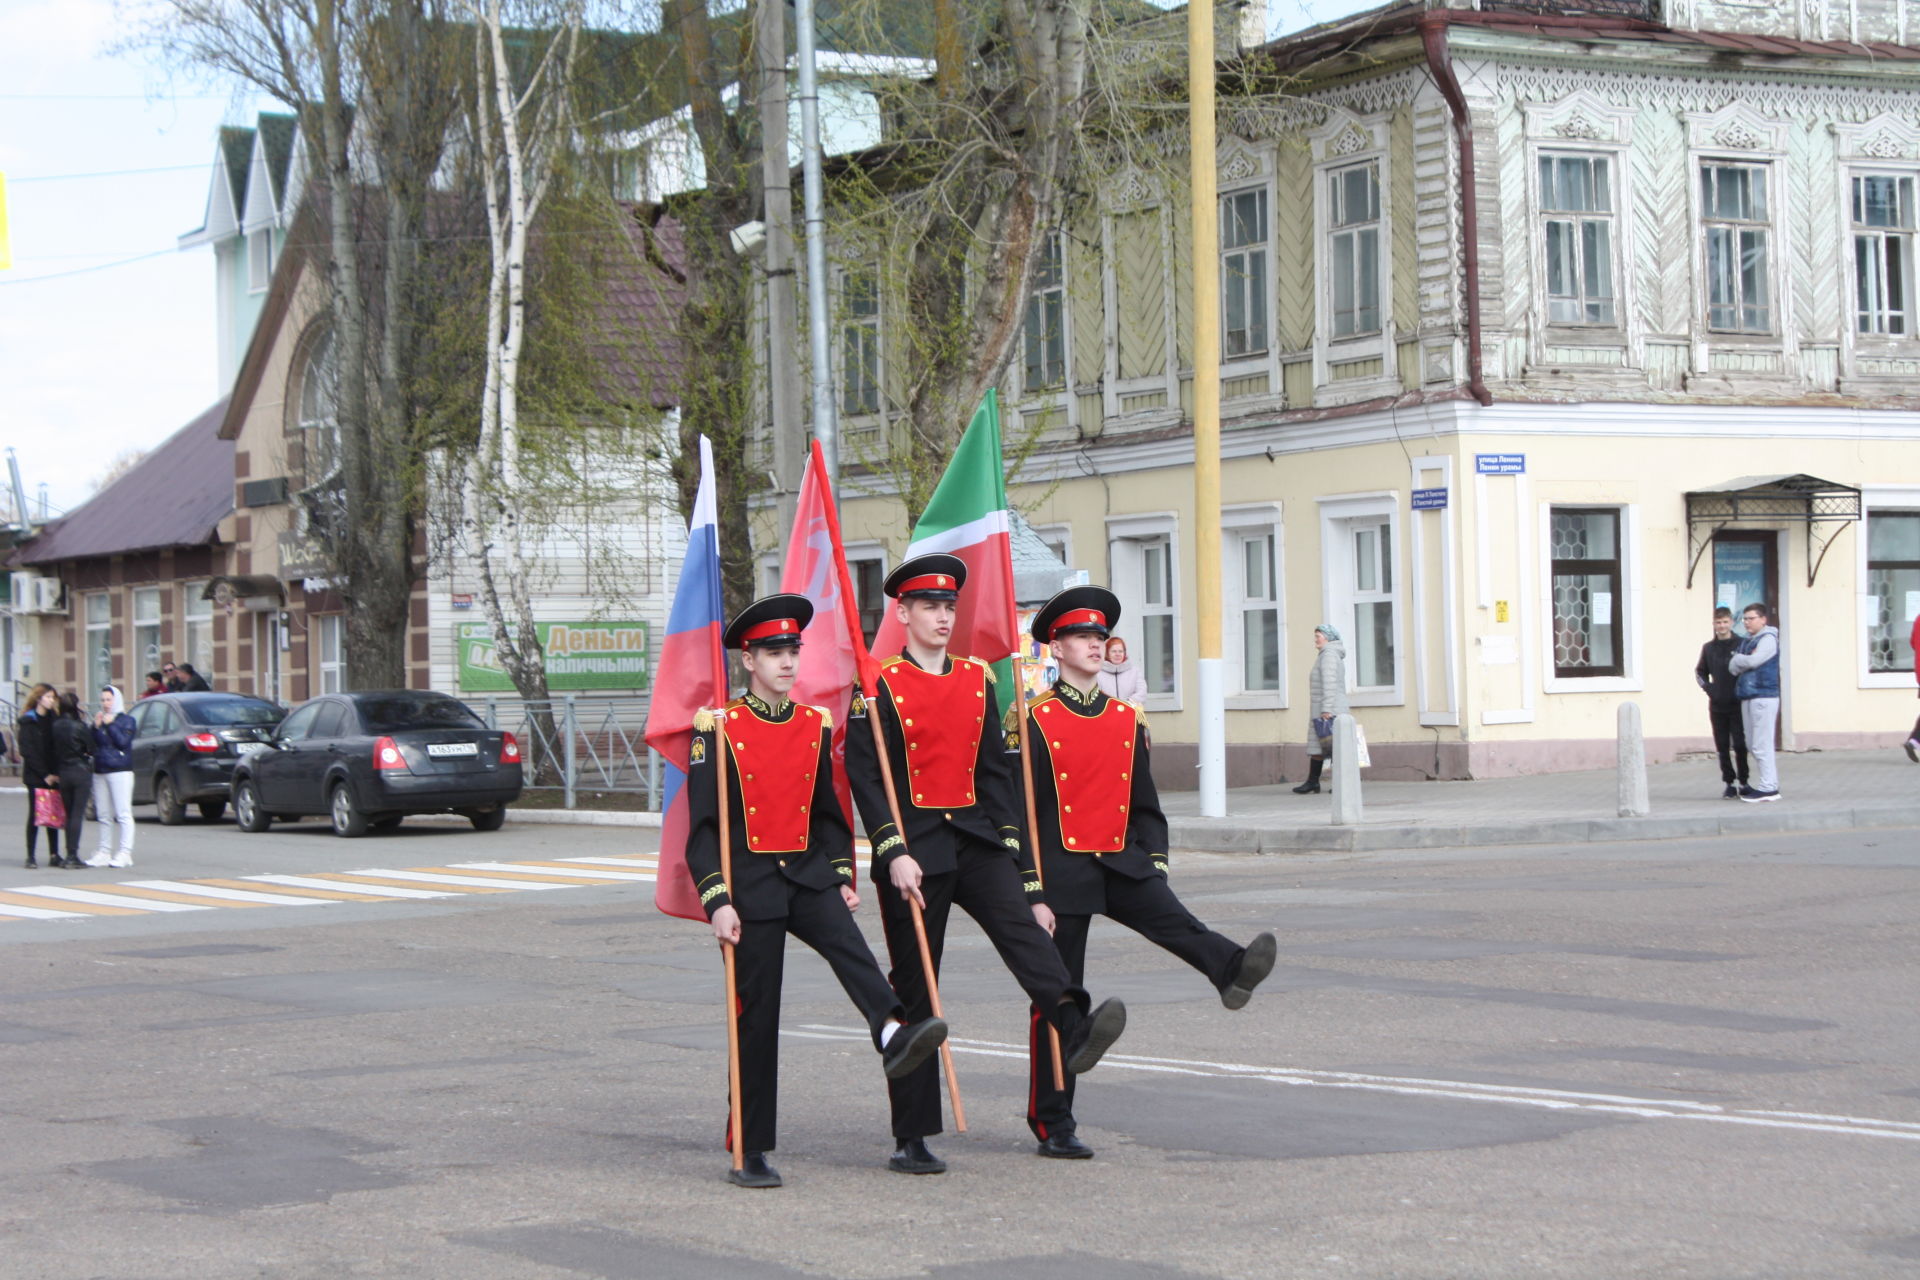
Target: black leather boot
1311 786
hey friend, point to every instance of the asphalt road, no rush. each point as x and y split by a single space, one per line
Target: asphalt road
1680 1059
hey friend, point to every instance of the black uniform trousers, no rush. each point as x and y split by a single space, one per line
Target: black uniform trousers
985 884
1150 909
819 918
1730 740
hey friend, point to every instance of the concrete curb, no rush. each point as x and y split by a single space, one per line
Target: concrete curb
1204 835
555 817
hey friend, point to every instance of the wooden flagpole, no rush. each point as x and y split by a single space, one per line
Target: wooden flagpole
733 990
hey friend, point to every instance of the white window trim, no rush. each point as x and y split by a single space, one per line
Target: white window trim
1885 144
1343 141
135 657
1736 134
868 549
1583 124
1124 533
1247 167
1435 473
257 282
1062 533
1335 509
1259 517
88 628
194 609
1634 679
843 320
338 623
1904 497
1064 392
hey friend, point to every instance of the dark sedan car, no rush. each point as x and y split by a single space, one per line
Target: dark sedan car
371 758
185 747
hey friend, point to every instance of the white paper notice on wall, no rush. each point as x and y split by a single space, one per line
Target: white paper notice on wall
1913 605
1602 608
1727 595
1499 651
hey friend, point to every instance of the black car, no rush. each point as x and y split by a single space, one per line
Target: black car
371 758
186 745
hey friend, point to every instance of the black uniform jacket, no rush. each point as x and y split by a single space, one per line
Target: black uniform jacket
1074 876
933 832
816 845
1711 671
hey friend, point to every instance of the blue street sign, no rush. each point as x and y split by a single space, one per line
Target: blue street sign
1429 499
1500 464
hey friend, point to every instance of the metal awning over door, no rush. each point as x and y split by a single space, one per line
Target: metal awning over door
1787 499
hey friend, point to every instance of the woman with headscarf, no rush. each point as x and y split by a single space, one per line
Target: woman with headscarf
1120 678
113 731
38 769
1326 698
73 768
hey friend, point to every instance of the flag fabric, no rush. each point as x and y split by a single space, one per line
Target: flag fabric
967 517
835 649
691 674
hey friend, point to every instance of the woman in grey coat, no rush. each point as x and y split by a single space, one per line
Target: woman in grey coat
1327 698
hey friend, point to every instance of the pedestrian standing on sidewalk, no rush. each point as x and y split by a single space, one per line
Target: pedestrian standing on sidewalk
1913 739
38 770
1118 677
1723 705
73 768
1756 682
113 732
1326 698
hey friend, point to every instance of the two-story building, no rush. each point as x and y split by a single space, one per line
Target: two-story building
1544 333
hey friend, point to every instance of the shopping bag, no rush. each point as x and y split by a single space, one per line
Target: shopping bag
1361 755
49 810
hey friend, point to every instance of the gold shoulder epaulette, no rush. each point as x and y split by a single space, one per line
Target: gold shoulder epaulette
988 666
1138 710
896 658
704 720
826 716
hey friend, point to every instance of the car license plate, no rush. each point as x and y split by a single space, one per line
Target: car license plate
442 749
248 748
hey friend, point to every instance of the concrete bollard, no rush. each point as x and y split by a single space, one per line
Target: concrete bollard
1346 773
1633 764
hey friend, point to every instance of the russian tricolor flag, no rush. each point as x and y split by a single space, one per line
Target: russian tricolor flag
692 673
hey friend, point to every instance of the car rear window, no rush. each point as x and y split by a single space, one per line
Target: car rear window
390 715
222 711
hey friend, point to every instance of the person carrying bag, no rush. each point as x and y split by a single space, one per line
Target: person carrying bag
73 767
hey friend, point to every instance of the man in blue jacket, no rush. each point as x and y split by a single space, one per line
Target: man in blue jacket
1756 682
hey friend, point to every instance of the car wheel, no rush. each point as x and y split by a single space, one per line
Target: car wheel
348 821
247 813
487 819
211 810
388 824
166 798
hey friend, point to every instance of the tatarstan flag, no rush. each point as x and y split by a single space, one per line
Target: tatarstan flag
967 517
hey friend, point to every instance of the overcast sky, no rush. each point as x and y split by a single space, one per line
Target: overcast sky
106 330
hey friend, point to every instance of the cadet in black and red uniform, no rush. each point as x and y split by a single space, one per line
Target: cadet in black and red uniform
962 841
792 866
1103 839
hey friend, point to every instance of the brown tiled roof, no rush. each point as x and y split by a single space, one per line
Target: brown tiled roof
173 497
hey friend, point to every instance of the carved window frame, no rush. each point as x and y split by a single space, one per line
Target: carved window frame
1343 141
1582 124
1884 145
1738 135
1132 191
1244 166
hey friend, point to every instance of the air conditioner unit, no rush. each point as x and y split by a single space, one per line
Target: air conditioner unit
21 594
49 596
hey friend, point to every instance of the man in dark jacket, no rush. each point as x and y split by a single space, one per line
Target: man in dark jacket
1723 705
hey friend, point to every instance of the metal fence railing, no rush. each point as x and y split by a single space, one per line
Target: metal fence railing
572 744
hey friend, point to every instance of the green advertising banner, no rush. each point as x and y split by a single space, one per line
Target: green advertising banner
580 655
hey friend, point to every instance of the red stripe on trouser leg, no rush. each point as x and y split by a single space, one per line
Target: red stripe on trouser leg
1033 1075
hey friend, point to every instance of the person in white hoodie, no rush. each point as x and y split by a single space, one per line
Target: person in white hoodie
1119 678
113 731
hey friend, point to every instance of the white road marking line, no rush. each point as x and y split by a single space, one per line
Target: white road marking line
611 862
1457 1090
431 877
187 887
41 913
524 869
350 886
113 900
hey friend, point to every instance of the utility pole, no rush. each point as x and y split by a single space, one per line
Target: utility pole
1206 408
783 328
825 423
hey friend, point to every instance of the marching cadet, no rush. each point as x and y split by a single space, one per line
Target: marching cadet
792 866
961 844
1102 839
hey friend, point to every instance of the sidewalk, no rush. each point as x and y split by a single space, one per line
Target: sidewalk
1819 791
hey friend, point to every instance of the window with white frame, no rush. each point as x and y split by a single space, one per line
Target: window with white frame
1243 273
1058 538
1576 210
1253 580
859 344
259 259
1893 588
99 642
1158 659
869 574
1353 249
330 630
1588 592
1737 227
1362 585
146 632
1045 331
1883 231
197 629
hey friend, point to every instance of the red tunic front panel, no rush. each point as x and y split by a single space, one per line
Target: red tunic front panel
1092 759
773 763
942 718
